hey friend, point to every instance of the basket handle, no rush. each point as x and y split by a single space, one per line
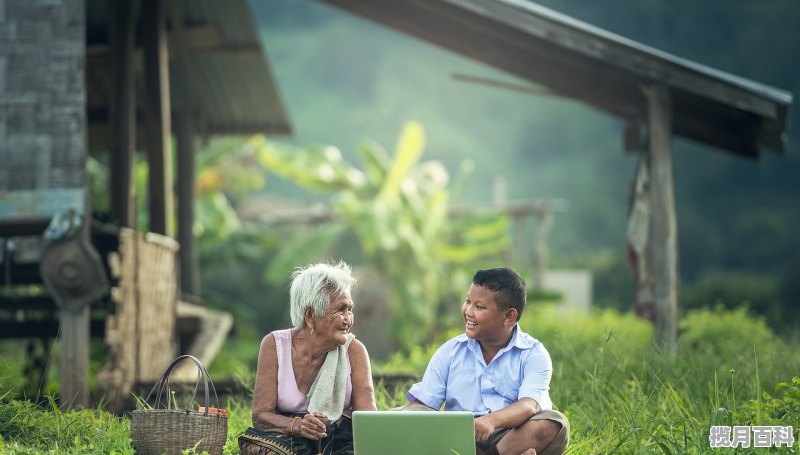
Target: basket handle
163 383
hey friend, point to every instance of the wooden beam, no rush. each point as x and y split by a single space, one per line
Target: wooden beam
23 226
44 328
100 115
229 51
123 113
157 116
189 276
185 37
39 303
539 251
74 328
662 247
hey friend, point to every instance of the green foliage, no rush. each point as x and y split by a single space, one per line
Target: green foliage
391 396
224 170
774 409
759 292
232 278
237 357
239 419
27 429
397 206
97 179
295 253
413 361
622 395
711 332
21 361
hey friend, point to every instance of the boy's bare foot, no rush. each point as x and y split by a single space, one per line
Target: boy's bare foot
529 452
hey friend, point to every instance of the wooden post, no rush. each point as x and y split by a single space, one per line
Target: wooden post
638 239
662 253
73 274
190 281
540 251
122 113
157 116
75 336
74 326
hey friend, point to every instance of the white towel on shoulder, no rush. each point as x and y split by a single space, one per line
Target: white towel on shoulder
328 390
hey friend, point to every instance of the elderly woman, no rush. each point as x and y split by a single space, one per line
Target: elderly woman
312 376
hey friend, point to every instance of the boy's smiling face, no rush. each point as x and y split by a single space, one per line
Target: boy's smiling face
483 320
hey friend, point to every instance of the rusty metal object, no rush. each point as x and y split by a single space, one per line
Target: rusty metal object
70 266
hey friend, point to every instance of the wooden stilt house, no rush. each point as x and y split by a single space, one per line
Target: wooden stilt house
115 78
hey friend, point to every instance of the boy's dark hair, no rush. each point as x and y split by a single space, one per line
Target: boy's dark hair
508 287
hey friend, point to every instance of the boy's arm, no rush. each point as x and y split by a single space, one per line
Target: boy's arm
431 391
511 416
535 382
415 405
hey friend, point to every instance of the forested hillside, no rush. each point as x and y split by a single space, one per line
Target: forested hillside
345 79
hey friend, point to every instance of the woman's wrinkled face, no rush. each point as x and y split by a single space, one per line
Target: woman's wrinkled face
337 319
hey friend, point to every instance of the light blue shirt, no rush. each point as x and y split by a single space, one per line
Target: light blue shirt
458 376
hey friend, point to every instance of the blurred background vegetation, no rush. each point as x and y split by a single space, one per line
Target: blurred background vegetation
387 141
353 84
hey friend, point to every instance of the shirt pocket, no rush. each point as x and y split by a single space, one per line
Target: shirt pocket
507 388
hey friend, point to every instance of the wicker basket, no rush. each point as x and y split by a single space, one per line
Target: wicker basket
156 431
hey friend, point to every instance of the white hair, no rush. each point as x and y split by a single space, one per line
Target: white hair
313 285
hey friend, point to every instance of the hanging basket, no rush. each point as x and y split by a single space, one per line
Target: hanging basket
158 429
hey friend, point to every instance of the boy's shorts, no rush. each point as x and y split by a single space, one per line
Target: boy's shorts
557 447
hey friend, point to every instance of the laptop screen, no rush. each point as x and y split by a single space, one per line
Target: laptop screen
413 432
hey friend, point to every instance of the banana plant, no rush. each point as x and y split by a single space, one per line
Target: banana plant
398 207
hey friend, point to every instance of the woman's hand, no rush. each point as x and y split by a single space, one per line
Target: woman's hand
312 426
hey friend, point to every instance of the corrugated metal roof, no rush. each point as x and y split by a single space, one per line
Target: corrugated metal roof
583 62
776 94
218 68
225 71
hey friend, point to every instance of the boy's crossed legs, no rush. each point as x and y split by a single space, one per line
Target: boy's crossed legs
547 432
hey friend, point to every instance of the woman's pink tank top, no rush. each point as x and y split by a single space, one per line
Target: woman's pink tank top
289 398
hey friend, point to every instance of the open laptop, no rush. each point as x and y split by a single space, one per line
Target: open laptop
413 433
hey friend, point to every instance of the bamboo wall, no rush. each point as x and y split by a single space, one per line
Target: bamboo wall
140 334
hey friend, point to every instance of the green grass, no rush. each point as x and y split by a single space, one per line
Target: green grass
621 394
26 428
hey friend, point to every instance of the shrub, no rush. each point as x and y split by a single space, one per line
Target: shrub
726 334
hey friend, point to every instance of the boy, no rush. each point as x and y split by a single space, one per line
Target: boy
496 371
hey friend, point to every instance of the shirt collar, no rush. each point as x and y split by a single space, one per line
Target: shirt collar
519 339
